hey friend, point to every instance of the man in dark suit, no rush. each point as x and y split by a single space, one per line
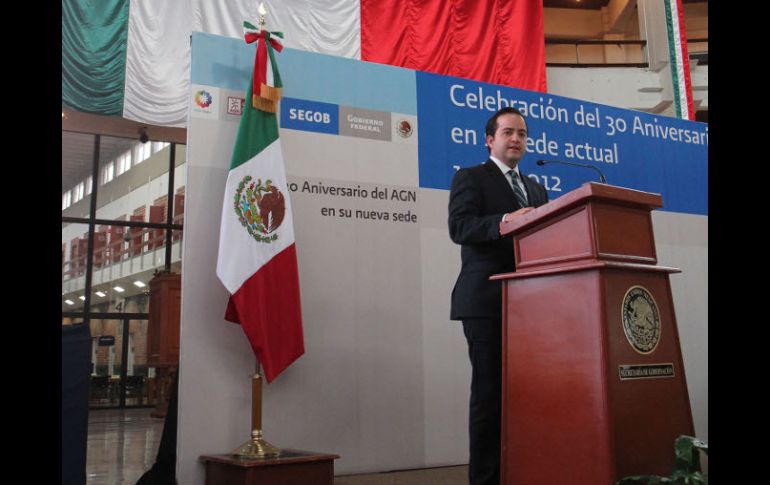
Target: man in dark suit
480 199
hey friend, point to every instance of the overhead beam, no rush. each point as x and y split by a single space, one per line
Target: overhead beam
119 127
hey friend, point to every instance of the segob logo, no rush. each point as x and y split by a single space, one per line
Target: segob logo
641 320
260 208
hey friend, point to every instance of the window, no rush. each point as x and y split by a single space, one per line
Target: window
158 146
79 191
116 256
108 172
124 162
142 152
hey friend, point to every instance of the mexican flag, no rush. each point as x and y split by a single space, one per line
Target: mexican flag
679 60
257 259
132 58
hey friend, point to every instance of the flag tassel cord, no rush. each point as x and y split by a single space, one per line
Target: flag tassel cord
256 447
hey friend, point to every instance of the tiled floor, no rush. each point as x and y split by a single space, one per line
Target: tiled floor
123 444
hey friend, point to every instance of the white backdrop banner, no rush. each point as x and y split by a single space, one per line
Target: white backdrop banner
370 151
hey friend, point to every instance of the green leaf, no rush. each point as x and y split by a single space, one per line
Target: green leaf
632 480
687 457
701 445
643 480
699 479
683 477
686 468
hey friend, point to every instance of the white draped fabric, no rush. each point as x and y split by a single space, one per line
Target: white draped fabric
158 62
158 55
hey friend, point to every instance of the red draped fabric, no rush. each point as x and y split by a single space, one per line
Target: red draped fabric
495 41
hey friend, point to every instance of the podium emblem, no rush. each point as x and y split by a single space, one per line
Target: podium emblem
641 320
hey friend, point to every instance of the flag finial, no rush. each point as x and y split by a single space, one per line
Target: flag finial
266 82
262 15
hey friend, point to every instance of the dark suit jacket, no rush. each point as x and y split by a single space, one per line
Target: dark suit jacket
479 198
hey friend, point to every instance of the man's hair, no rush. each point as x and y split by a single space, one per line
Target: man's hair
492 122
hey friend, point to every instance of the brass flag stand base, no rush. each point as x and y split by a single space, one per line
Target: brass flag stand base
257 448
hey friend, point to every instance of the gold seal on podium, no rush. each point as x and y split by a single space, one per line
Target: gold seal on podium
641 320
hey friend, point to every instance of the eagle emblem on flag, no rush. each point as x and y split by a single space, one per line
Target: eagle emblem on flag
260 208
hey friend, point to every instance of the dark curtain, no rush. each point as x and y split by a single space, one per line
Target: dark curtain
75 381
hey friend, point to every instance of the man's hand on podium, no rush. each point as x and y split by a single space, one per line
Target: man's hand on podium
507 217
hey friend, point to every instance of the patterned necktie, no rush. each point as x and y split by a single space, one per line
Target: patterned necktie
521 198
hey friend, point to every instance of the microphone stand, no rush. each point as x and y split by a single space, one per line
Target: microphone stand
585 165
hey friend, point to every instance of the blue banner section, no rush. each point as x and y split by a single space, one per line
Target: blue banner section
300 114
633 149
227 63
217 63
348 82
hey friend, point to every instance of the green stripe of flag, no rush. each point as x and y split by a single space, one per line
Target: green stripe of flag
93 55
673 62
256 132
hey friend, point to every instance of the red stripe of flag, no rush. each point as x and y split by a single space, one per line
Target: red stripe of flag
267 307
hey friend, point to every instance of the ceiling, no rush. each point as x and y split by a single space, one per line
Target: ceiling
590 4
77 155
117 135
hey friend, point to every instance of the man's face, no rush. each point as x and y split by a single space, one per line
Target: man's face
510 141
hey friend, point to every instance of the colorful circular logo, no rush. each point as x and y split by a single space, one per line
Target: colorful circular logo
203 99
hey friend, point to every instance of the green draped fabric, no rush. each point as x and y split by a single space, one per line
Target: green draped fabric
93 55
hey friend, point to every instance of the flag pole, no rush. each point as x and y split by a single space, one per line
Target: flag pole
256 447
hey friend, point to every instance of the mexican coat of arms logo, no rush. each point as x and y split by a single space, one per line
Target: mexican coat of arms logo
641 320
260 208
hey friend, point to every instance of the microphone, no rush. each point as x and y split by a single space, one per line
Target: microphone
585 165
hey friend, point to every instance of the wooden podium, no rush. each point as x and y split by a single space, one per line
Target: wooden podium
593 383
163 335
